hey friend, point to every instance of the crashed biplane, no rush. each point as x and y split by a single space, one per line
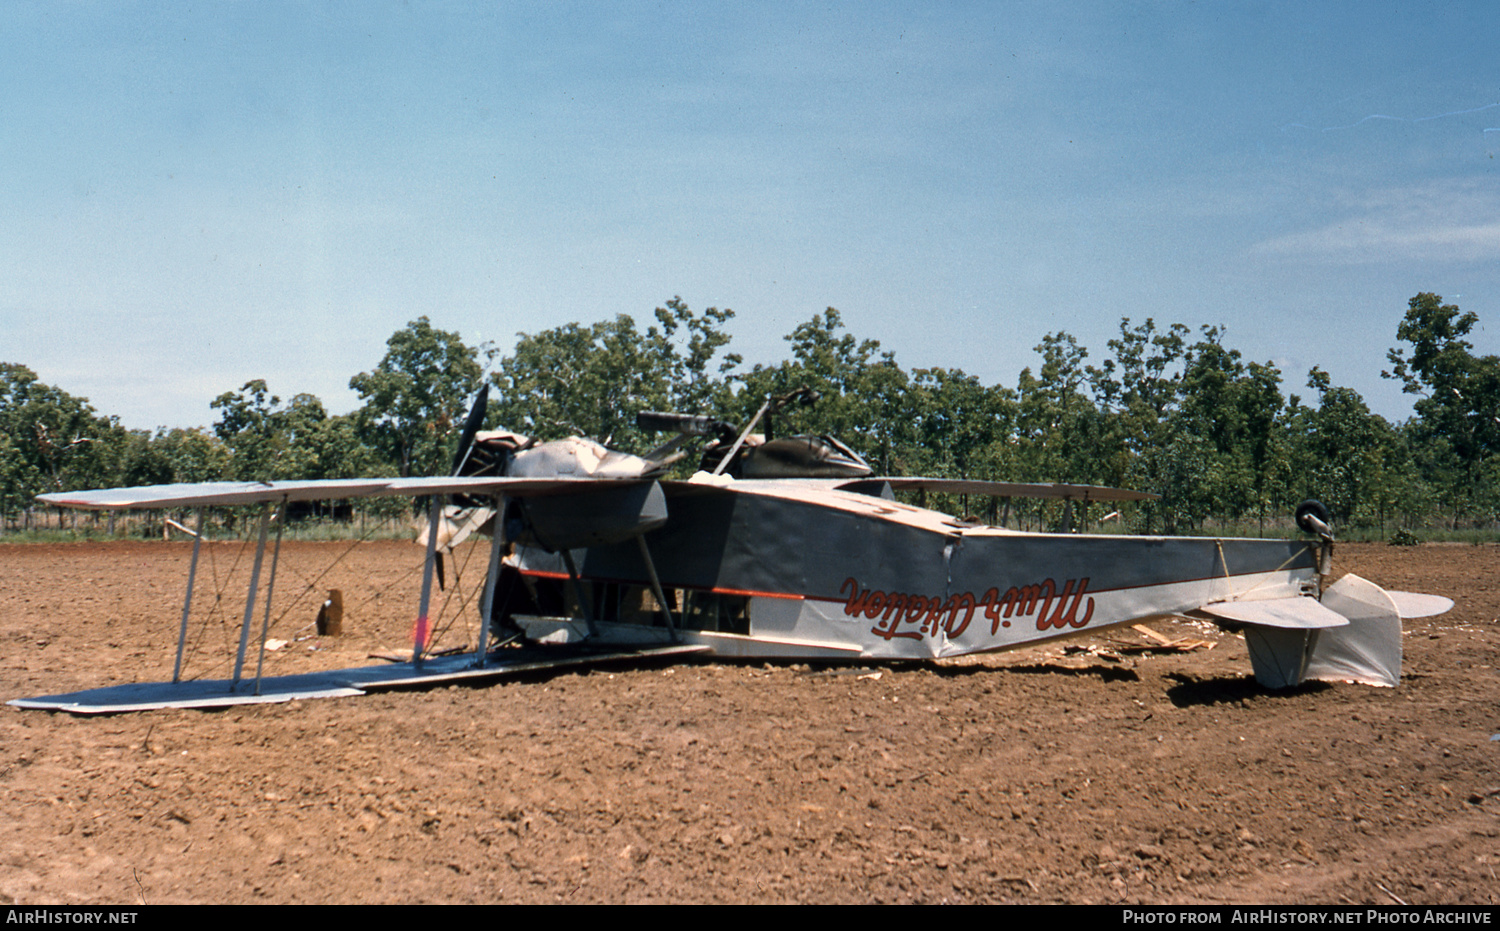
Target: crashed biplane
782 548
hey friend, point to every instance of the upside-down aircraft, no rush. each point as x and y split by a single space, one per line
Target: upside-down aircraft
782 548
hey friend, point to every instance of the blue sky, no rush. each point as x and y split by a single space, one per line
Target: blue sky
198 195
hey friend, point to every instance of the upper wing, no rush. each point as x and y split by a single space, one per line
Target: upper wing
209 494
954 486
505 485
213 493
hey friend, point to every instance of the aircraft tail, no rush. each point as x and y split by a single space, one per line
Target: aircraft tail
1367 649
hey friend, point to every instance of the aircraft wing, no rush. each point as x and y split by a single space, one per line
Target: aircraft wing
954 486
213 493
210 494
510 486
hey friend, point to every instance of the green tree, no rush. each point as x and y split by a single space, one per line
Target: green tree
1140 388
416 399
1349 458
191 455
261 440
592 381
864 396
1457 427
20 480
55 441
1059 430
250 425
962 429
1235 408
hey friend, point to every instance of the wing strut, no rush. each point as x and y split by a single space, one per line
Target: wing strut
187 601
584 605
419 638
487 603
260 552
661 597
744 435
265 626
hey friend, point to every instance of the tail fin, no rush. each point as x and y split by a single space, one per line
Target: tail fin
1366 650
1369 649
1279 655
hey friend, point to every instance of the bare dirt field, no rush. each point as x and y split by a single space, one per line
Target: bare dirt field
1096 771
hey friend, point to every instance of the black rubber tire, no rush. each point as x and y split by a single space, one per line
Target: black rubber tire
1316 509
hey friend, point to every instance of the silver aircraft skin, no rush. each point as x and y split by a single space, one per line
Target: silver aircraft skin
594 555
800 569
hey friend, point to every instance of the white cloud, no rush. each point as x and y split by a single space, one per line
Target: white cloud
1449 221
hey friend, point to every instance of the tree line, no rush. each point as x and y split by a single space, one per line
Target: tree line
1164 409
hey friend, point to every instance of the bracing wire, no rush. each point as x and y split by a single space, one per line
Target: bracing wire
455 602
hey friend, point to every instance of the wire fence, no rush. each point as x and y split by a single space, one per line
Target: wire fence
55 524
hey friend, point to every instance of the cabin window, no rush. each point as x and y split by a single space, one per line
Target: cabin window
711 611
626 603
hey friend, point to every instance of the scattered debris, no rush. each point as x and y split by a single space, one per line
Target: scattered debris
859 672
1095 651
1159 638
1181 644
176 526
1397 898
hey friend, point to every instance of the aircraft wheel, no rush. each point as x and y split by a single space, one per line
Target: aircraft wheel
1310 514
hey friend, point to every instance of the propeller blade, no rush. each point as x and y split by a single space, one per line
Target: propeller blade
472 424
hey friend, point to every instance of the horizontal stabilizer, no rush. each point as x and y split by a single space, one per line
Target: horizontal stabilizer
1416 604
1299 613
